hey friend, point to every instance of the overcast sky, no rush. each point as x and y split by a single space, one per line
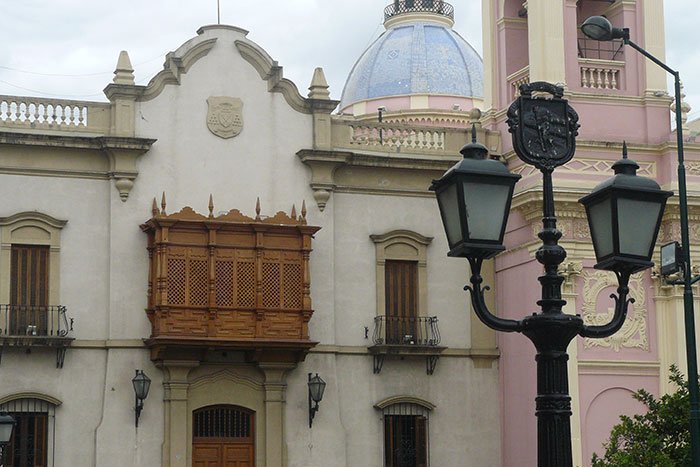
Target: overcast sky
69 48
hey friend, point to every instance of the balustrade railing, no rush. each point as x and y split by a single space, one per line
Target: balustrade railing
406 331
397 135
427 6
34 321
515 80
601 74
36 112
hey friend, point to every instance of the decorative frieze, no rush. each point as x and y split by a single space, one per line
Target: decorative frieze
633 334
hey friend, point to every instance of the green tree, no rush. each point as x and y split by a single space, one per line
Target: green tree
658 438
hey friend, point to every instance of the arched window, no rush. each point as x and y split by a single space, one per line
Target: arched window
32 442
406 442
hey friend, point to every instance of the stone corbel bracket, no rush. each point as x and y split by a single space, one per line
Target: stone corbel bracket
122 154
323 165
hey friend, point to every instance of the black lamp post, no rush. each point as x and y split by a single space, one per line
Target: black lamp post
600 28
624 215
316 388
7 424
142 384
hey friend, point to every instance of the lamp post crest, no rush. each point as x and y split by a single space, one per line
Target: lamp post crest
544 129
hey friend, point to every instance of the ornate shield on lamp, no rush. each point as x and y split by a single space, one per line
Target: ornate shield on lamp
544 128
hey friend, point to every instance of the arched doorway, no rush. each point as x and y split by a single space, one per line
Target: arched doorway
223 436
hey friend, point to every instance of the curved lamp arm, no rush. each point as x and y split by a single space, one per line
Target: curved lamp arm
479 305
618 319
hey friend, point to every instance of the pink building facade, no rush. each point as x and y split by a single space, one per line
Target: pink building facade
619 96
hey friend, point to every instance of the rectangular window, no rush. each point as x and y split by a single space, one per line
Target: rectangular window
29 289
401 301
405 441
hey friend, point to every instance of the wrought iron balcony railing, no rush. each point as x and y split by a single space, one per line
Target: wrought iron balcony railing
421 331
34 321
400 7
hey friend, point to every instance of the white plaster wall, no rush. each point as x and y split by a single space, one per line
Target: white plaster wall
84 259
348 431
356 217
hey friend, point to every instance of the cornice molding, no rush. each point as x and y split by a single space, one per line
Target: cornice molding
270 71
174 67
30 395
389 401
121 152
327 165
33 216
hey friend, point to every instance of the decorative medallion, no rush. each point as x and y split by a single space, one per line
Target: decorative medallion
543 129
633 334
225 116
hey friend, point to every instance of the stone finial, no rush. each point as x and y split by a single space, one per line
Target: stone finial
211 206
124 73
162 205
154 208
319 86
685 110
303 211
294 212
257 209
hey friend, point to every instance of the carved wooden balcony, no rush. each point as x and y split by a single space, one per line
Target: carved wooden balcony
229 283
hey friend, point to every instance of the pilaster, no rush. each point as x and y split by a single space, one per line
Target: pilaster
546 41
175 387
275 386
654 43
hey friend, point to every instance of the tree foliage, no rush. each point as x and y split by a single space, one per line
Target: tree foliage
658 438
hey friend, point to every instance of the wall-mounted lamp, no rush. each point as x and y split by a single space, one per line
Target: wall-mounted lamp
316 388
142 384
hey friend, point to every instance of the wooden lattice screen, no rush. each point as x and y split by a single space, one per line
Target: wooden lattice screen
229 277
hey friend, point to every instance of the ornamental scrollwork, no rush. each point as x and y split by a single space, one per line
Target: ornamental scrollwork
633 334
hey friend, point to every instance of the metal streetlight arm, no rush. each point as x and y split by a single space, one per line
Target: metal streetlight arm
618 319
479 305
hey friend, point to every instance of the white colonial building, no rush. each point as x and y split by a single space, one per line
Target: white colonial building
228 237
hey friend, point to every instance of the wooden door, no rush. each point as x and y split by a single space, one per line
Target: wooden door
401 301
223 436
29 289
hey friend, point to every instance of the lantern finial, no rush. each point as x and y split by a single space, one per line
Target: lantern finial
625 166
473 132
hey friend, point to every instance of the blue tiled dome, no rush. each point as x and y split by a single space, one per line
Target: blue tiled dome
415 58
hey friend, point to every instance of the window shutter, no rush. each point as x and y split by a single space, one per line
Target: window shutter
29 282
421 442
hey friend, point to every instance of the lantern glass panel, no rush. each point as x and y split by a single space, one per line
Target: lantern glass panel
486 204
600 220
637 225
142 384
316 388
7 423
449 207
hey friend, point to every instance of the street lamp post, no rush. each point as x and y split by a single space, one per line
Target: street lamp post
599 28
624 215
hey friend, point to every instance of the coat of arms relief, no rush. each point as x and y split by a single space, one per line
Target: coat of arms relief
225 116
